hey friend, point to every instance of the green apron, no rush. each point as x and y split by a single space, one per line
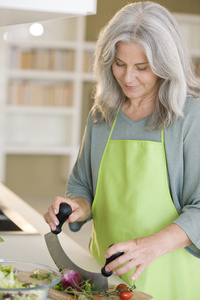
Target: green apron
133 200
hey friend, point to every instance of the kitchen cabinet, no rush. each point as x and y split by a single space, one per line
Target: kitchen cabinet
44 93
26 11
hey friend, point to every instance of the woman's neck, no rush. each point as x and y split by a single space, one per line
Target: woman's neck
138 109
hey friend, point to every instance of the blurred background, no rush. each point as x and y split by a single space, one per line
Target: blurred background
46 86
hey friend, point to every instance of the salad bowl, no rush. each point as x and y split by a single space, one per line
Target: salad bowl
20 280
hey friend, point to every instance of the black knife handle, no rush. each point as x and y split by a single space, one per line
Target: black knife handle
108 260
65 211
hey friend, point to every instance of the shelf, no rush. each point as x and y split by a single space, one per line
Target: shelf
39 150
53 75
39 130
26 11
39 110
45 44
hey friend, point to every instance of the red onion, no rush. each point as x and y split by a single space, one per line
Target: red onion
71 278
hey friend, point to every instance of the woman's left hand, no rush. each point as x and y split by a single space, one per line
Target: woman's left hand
141 252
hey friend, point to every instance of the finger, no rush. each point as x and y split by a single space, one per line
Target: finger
138 272
76 215
76 210
117 262
118 247
128 266
125 247
56 208
51 219
56 204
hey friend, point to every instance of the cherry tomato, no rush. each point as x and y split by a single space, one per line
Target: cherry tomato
125 295
121 286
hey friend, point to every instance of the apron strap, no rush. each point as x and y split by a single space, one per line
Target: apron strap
113 125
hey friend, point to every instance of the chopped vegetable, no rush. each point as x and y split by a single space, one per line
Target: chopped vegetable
84 291
1 240
8 280
40 276
71 278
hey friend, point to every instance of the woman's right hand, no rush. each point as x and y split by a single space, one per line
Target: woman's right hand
81 211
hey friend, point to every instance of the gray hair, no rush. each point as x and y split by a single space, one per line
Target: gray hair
155 30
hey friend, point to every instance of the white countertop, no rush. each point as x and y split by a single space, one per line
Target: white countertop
33 247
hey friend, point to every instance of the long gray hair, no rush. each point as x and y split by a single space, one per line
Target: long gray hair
155 30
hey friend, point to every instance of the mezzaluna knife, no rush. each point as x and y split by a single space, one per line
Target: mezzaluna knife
60 258
98 281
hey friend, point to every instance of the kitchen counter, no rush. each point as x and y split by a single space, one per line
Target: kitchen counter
32 247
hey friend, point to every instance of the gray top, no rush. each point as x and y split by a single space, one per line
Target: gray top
182 146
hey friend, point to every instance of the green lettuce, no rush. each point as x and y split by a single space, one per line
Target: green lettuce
9 280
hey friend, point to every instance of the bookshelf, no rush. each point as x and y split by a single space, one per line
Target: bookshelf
43 99
42 86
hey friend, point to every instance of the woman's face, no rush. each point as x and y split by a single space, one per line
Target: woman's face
133 73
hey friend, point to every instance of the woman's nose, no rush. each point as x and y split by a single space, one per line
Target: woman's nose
129 75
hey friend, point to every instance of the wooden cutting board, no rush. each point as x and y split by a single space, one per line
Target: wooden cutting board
25 277
63 296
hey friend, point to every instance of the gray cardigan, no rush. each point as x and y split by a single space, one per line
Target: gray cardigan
182 146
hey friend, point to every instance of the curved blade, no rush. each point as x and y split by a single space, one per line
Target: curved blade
62 261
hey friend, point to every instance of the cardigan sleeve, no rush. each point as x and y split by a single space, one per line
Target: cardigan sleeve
189 219
80 180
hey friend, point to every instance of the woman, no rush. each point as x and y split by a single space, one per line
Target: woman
138 168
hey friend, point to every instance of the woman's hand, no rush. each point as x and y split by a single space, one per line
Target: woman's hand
81 211
141 252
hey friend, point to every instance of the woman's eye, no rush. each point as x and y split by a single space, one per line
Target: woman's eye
119 64
142 69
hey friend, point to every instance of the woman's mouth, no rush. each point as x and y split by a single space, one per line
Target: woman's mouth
130 87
